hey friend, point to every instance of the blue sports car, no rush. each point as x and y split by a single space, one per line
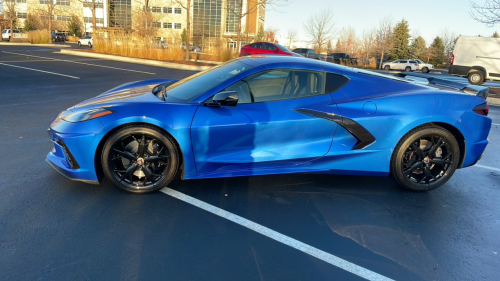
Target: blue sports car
273 115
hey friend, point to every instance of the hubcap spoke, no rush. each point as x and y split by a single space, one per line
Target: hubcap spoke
125 154
413 168
418 151
130 170
428 175
148 174
441 161
142 145
156 158
432 151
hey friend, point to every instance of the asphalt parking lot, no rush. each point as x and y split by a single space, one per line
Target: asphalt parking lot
292 227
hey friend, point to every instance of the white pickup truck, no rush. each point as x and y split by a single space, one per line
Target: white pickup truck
6 34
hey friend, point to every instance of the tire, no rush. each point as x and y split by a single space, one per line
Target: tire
407 69
123 165
425 70
476 77
90 45
387 67
246 54
79 44
414 172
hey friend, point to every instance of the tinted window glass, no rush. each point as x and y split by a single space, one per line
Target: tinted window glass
195 85
413 61
404 61
269 47
283 48
334 82
252 45
285 84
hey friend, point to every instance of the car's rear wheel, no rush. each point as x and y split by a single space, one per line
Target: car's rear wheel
476 77
79 44
140 159
425 70
407 69
90 45
387 68
425 158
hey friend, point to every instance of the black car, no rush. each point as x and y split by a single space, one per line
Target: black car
58 37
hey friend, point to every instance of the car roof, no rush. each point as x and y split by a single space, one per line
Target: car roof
277 61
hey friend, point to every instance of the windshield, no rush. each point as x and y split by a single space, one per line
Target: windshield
192 87
283 48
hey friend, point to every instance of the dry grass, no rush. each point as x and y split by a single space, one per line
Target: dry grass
73 38
127 45
39 37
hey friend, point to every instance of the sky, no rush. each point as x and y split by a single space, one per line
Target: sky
427 17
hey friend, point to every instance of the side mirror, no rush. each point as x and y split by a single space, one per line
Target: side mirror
228 98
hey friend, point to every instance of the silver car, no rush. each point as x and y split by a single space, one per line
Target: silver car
424 67
86 40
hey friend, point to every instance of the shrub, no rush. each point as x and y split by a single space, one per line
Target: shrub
40 37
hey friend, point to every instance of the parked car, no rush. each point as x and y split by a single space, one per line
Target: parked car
424 67
342 58
86 40
266 48
476 58
192 48
310 53
6 34
263 115
58 37
405 65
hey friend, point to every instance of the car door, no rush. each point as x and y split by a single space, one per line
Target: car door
266 129
269 49
403 64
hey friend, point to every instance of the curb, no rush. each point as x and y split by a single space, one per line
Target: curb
493 101
136 60
29 44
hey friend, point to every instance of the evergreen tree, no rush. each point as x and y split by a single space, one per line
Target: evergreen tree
30 23
183 36
329 47
401 40
74 26
437 51
495 35
418 48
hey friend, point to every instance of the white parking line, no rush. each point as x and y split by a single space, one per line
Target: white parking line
486 167
324 256
495 124
81 63
40 70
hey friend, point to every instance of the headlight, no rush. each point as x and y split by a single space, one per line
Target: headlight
85 115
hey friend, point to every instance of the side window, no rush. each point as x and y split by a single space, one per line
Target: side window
241 88
252 45
269 47
404 61
413 61
334 82
276 85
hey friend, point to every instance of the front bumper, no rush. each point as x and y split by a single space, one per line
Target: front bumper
75 145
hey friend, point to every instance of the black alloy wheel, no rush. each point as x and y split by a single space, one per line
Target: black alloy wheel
246 54
140 159
425 158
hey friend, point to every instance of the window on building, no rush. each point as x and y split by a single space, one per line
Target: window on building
156 9
22 15
98 5
120 13
167 10
167 25
19 1
156 24
63 18
177 26
42 2
62 2
89 20
232 17
178 11
44 17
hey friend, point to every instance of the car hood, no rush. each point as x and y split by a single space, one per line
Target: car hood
139 91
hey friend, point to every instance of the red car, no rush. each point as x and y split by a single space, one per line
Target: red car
266 48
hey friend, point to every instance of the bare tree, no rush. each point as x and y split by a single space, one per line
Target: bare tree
384 37
187 7
145 21
347 42
449 38
48 8
10 15
271 34
488 13
320 28
291 36
93 5
368 42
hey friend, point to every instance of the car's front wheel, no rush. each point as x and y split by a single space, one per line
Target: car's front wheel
387 68
140 159
407 69
90 45
425 70
476 77
79 44
425 158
